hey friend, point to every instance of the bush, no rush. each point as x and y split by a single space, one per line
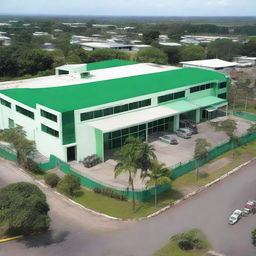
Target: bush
51 179
23 208
110 193
32 166
254 237
190 240
91 161
68 184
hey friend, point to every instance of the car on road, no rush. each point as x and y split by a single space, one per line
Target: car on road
236 215
249 207
184 133
168 139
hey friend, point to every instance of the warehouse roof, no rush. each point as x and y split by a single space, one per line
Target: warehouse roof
67 98
108 64
210 63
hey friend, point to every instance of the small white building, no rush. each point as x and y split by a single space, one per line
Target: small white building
5 41
244 61
40 33
171 44
211 64
91 46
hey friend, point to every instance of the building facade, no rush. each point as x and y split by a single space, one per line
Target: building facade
91 109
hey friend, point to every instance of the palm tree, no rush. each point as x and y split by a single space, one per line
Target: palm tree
127 164
158 175
145 156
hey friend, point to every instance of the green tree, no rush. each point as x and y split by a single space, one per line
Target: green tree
193 52
253 236
23 146
52 179
152 55
127 163
252 128
201 151
223 49
107 54
158 175
23 208
150 35
69 184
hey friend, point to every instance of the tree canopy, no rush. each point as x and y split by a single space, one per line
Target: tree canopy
152 55
23 208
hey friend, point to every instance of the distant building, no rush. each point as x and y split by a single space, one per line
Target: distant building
74 24
91 46
81 39
195 40
103 25
212 64
137 47
171 44
40 34
48 47
5 41
244 61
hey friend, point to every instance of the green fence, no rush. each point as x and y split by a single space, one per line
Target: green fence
139 194
213 153
244 115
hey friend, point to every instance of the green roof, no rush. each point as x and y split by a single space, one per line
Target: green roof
182 106
207 101
67 98
108 64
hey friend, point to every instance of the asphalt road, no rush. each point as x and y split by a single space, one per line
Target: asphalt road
75 232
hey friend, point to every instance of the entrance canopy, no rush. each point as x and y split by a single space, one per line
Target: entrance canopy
130 119
208 101
182 106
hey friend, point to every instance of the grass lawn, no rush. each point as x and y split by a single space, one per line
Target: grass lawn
123 209
241 155
173 249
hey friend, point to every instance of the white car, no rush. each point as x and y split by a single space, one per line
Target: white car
236 215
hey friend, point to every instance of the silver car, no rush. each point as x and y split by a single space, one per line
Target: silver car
184 133
168 139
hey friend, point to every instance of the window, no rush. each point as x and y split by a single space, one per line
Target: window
171 96
11 123
25 112
49 130
200 88
222 85
5 103
222 95
114 110
48 115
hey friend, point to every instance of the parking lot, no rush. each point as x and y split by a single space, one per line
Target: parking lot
173 155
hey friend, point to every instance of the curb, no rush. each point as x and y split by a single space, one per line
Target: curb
199 190
10 238
236 169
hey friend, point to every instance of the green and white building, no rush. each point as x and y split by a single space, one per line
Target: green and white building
91 108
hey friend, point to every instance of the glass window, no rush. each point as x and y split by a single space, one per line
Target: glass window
25 112
49 130
5 103
222 85
108 111
98 113
48 115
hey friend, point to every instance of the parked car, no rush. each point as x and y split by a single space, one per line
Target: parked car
249 207
184 133
168 139
187 123
236 215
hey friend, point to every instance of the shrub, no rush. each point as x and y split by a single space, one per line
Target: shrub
51 179
68 184
254 237
110 193
23 208
32 166
190 240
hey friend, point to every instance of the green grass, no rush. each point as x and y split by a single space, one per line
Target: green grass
123 209
241 155
39 175
173 249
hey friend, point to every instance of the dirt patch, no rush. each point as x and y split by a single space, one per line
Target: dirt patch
217 164
57 171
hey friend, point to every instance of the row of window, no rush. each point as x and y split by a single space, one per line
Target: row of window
25 112
223 95
48 115
171 96
201 88
5 103
222 85
49 130
114 110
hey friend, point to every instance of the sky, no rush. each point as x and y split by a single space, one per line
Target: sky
131 7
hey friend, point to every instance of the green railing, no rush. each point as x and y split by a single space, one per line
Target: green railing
245 115
144 193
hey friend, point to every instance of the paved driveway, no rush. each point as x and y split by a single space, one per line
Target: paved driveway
76 232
